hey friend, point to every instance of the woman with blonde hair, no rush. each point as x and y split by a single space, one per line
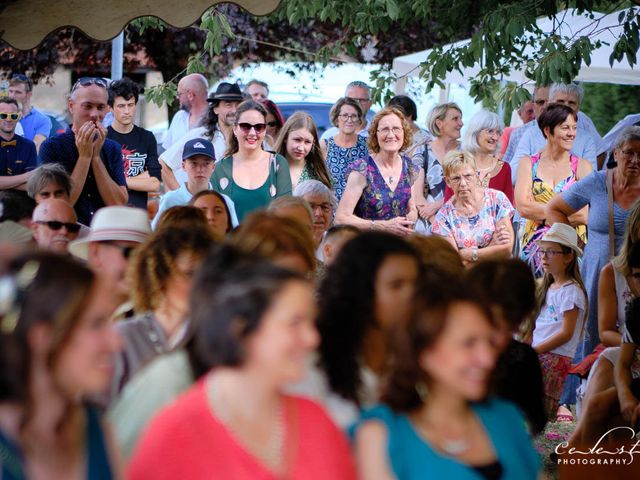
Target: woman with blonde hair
475 220
445 124
298 143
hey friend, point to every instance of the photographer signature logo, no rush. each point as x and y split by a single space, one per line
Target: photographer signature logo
622 454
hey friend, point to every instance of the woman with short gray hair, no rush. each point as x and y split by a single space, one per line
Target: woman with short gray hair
481 139
444 123
323 205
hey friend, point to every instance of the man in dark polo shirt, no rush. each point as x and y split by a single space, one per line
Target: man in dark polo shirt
139 147
93 161
17 154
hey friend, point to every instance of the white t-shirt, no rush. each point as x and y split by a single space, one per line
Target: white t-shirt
178 127
173 156
549 321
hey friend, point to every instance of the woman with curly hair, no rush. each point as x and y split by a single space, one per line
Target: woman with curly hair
355 319
161 271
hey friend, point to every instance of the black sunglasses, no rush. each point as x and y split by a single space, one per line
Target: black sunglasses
126 251
56 225
258 127
86 81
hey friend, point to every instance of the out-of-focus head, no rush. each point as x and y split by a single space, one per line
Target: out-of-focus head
275 119
322 202
483 133
540 99
508 288
631 238
527 111
406 106
389 131
17 207
50 180
258 318
54 320
436 251
21 89
295 208
161 270
445 120
335 238
182 216
55 225
447 345
281 240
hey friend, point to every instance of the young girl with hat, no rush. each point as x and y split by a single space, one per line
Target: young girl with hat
563 302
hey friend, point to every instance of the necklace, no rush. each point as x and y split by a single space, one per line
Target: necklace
391 179
270 453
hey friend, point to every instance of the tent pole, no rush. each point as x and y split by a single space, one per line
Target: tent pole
117 52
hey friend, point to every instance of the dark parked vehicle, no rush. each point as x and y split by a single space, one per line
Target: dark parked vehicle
319 111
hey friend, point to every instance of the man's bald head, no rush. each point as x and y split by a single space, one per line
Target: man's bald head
51 221
193 91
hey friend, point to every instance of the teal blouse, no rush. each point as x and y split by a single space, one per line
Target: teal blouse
412 458
278 184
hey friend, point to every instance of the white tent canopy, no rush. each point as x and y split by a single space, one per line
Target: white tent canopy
567 23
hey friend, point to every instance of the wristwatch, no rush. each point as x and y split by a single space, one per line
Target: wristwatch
474 254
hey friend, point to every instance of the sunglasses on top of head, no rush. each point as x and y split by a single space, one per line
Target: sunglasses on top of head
86 81
258 127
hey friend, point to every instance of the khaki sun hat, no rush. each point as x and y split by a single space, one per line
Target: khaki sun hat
564 235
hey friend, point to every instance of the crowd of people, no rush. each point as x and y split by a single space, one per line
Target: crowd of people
378 302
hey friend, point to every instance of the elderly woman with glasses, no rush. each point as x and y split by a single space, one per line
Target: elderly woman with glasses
379 193
475 220
346 146
481 139
248 174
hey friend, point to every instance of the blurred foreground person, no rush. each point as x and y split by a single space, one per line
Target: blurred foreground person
236 421
435 417
56 347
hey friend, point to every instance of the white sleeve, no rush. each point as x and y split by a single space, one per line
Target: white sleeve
572 297
173 156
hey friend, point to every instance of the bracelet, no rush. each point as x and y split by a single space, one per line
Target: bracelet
373 224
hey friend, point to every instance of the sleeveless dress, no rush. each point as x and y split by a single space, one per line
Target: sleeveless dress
378 201
543 193
339 158
98 468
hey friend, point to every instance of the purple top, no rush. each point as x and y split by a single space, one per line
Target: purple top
378 201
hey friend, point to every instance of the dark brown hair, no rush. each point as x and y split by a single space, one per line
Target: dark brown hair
553 115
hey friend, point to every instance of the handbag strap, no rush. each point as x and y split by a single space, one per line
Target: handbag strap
609 175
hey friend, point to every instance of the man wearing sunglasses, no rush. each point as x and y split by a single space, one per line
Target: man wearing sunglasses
36 125
17 154
93 161
54 224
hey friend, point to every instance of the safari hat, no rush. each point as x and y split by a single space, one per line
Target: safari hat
564 235
112 224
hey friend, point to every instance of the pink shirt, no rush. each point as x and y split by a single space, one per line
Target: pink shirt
187 441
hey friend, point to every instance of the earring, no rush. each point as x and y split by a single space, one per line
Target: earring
422 390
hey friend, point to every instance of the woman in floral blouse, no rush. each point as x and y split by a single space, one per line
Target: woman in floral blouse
477 221
379 194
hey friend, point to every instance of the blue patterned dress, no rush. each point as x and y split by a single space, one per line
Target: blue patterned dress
339 158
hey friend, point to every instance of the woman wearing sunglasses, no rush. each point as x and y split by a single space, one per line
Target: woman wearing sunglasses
248 174
275 121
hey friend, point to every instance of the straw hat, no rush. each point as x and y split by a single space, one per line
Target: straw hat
112 224
564 235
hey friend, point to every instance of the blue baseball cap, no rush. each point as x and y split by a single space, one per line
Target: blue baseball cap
198 146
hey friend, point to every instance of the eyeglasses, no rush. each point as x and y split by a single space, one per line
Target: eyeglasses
125 250
361 100
385 131
258 127
492 131
272 124
540 102
549 253
179 94
9 115
325 207
469 177
627 154
348 117
56 225
86 81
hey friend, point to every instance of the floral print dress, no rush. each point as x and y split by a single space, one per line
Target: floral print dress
477 230
339 158
378 201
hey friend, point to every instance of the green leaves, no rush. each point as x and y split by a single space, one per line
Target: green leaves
161 94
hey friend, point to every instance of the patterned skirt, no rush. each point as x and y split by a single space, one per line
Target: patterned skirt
555 369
